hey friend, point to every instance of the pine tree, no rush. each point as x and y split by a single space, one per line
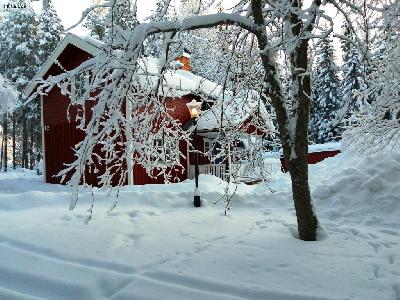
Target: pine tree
104 23
96 22
154 42
326 95
352 81
50 32
19 47
8 99
19 62
124 15
378 131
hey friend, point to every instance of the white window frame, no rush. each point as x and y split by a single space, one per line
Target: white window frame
210 147
74 85
170 154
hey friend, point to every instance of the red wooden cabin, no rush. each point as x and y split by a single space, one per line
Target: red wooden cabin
59 135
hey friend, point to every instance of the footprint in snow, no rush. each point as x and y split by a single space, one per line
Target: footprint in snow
376 270
135 237
134 214
266 212
66 218
375 246
151 213
388 231
391 257
372 235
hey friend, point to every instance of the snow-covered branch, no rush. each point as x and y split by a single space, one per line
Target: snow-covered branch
8 96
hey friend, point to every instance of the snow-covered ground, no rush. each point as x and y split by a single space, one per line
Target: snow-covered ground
154 245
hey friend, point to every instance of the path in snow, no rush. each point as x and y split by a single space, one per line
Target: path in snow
154 245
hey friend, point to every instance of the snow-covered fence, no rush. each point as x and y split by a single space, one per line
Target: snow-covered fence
212 169
218 170
241 172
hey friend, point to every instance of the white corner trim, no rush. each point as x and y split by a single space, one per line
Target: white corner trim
43 140
129 163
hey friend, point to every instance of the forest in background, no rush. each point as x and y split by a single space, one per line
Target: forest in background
342 96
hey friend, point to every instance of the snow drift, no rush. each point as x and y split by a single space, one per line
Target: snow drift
155 245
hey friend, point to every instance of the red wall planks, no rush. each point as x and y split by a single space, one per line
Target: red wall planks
60 135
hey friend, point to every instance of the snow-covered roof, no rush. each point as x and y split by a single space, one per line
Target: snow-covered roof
236 109
331 146
176 82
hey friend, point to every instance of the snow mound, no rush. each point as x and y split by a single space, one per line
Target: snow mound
333 146
367 187
155 245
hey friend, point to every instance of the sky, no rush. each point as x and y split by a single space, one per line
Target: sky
70 12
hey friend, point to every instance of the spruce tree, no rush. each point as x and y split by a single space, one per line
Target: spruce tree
19 63
124 15
96 22
19 45
326 95
154 42
104 22
352 81
50 32
8 100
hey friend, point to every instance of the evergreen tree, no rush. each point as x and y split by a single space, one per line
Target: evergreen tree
326 95
19 45
352 81
96 21
104 23
154 42
124 15
8 100
50 32
378 132
19 63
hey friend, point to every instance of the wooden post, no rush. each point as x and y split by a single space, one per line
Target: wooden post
196 200
14 121
5 138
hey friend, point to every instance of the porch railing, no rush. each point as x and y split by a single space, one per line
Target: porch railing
240 171
212 169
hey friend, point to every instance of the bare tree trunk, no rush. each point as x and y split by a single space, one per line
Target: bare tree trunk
298 166
31 145
14 140
38 145
5 137
24 141
1 154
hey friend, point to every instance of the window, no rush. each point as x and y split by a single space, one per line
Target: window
207 146
167 150
80 85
